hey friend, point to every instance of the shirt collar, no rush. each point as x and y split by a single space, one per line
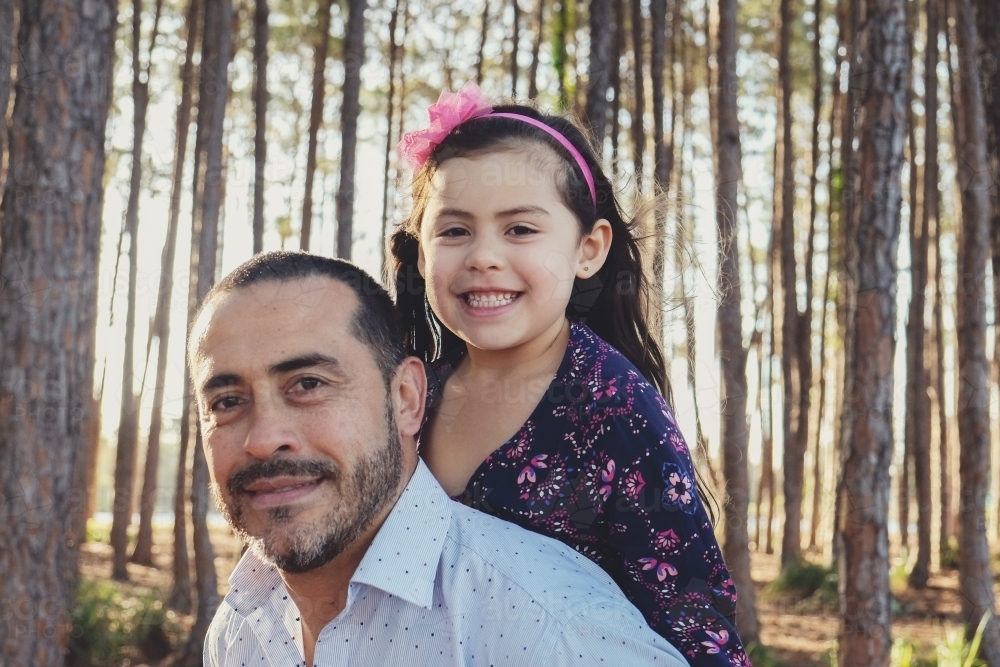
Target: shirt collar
402 559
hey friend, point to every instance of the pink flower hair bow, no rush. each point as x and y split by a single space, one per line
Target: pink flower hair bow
450 111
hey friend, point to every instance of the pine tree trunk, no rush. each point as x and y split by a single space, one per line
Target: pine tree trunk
975 571
484 25
212 99
128 422
394 61
260 97
865 636
617 46
919 400
515 41
944 452
661 177
354 59
143 554
50 230
315 119
732 353
795 352
559 55
599 72
536 49
8 36
638 93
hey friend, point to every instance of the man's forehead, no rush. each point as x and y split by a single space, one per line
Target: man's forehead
273 311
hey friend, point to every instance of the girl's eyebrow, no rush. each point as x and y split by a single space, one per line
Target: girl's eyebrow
520 210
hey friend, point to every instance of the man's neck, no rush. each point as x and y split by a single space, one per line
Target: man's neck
321 594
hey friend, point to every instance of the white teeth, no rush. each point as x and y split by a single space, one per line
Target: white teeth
490 301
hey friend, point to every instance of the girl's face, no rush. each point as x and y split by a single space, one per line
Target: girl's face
499 250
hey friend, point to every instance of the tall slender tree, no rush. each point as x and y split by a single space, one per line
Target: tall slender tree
515 44
638 92
484 25
617 47
213 95
143 552
260 98
919 417
8 37
865 636
128 421
315 117
796 353
354 59
599 68
732 353
974 570
536 49
394 64
48 314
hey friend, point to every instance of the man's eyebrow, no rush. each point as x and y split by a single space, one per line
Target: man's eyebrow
307 361
219 381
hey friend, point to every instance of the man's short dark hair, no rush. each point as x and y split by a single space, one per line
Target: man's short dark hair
376 322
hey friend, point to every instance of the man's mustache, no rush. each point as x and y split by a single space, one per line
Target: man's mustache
281 468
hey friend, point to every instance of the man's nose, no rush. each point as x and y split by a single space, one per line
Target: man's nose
270 431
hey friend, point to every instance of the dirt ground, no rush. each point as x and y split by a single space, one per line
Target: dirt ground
796 634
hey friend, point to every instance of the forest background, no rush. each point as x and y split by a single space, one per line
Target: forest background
826 234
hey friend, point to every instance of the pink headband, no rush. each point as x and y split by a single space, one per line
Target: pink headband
453 109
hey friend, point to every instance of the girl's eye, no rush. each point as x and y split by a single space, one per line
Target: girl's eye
454 232
521 230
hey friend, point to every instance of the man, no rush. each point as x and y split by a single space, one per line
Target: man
309 413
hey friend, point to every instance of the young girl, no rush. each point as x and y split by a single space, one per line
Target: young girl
521 284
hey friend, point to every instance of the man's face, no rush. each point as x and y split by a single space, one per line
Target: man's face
297 423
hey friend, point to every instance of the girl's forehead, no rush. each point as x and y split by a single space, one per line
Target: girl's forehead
533 168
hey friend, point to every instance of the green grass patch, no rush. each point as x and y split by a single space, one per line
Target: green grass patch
109 624
800 580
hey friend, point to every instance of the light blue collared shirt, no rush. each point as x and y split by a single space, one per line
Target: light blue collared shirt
440 585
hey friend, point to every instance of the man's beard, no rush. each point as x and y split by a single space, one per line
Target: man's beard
370 487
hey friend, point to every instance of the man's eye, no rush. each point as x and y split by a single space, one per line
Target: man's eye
309 383
224 403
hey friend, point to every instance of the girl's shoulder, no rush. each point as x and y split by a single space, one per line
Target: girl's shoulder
608 377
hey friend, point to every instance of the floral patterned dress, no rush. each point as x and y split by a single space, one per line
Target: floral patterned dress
601 466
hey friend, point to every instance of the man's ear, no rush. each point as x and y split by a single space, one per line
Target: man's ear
409 391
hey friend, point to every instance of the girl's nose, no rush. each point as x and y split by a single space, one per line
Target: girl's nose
485 254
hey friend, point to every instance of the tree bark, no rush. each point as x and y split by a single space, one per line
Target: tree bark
919 400
617 46
315 118
484 25
181 595
638 93
974 571
50 230
212 98
732 353
515 41
394 62
559 55
8 36
795 344
260 98
536 49
599 72
128 422
354 59
865 636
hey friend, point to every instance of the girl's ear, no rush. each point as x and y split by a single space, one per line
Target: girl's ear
594 248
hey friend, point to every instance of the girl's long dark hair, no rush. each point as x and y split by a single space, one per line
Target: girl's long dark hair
616 303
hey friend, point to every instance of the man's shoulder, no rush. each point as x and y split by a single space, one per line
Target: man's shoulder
519 562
